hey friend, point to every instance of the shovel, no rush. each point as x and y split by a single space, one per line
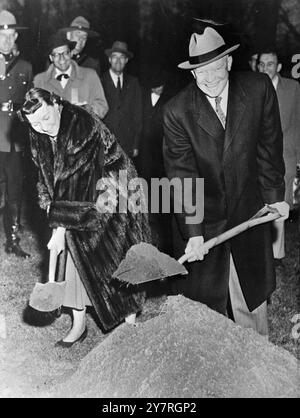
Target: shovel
145 263
47 297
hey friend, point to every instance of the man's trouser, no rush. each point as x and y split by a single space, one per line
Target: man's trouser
256 319
278 239
11 183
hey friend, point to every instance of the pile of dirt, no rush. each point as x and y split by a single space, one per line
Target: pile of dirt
186 351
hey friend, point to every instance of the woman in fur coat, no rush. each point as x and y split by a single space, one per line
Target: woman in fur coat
74 151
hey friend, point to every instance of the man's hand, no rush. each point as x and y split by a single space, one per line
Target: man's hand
283 209
195 249
57 241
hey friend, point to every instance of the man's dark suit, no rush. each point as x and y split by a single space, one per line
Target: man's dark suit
150 164
288 93
242 169
124 117
150 160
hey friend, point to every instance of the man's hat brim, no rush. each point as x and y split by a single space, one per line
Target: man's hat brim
90 33
16 27
207 58
55 45
109 51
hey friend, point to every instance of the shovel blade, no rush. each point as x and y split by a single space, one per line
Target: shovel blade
47 297
144 263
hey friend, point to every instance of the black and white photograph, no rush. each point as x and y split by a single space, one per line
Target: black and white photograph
149 202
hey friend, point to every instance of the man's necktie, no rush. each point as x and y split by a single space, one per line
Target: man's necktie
220 112
61 76
119 88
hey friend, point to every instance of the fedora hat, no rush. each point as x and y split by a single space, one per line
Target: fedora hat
8 21
205 48
156 78
81 23
59 39
119 46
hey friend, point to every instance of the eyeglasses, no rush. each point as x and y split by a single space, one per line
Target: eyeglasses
65 54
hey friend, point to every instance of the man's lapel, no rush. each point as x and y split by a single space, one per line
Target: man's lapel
126 83
280 91
52 81
235 109
205 114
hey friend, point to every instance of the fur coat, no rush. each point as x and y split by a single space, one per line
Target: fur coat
69 170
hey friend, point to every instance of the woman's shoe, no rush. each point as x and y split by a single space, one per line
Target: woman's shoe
66 344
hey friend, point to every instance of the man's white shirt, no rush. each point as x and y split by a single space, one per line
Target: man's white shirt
275 81
115 78
63 81
154 98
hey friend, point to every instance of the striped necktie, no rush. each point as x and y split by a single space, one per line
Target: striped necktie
220 112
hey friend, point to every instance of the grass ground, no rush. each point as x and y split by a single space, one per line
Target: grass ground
30 365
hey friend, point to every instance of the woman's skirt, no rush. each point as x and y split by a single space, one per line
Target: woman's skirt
76 296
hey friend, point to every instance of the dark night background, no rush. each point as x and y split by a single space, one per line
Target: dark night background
158 31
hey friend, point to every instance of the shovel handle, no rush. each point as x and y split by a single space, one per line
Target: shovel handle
52 265
235 231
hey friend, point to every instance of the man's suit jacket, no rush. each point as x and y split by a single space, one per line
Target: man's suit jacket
124 117
288 94
150 160
13 88
83 85
242 169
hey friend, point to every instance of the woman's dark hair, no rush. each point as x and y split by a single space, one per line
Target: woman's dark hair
33 101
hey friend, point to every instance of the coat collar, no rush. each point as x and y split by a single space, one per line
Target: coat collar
76 73
207 118
237 101
280 88
205 114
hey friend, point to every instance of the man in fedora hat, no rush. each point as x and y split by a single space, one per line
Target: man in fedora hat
79 32
15 81
124 97
288 94
225 128
65 78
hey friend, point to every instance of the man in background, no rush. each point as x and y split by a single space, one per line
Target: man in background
65 78
79 32
288 95
150 162
253 61
15 81
124 97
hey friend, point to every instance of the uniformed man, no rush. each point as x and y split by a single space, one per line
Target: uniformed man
15 81
78 32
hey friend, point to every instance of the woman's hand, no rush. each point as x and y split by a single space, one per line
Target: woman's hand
57 241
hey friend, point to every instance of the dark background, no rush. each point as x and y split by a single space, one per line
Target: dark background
158 31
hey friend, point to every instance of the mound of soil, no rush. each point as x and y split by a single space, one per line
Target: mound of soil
188 350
